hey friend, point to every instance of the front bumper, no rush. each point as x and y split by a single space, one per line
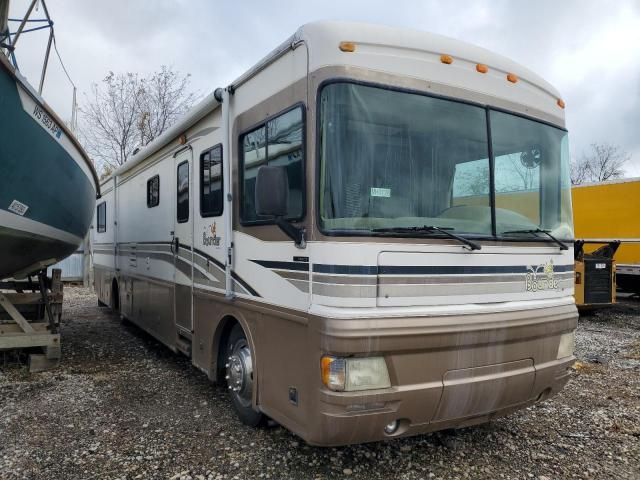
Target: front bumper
348 419
444 374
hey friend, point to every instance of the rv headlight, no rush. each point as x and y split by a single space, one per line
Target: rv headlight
567 345
353 374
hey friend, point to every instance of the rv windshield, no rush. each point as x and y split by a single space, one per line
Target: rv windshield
393 160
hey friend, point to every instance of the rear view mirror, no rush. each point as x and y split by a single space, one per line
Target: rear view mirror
272 200
272 192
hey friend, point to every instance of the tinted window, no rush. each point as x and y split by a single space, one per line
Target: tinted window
276 143
102 217
153 191
211 198
182 208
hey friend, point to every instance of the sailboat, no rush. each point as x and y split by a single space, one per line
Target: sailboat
48 184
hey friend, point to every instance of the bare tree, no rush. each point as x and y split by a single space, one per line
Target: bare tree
604 162
109 129
579 172
164 100
127 111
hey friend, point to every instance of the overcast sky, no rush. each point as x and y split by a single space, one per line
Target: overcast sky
589 50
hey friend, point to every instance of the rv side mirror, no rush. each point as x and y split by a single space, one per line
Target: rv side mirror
272 192
272 200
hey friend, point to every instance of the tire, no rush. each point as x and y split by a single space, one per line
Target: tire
239 376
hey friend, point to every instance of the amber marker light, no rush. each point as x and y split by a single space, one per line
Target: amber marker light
512 77
446 59
347 46
325 364
333 372
561 103
482 68
183 139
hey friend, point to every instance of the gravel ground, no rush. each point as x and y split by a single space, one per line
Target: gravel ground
121 406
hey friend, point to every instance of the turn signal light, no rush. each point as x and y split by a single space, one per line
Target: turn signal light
333 372
482 68
512 77
347 46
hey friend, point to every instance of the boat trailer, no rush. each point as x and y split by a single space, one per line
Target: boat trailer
30 312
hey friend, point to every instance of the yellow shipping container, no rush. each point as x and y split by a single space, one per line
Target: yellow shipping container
611 210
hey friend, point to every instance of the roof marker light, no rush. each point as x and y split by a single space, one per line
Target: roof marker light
561 103
512 77
482 68
446 59
347 46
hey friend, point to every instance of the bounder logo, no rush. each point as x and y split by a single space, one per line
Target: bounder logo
541 277
210 238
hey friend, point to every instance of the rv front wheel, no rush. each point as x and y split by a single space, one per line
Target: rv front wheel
239 367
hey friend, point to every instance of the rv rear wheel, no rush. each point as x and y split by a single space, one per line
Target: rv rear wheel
239 375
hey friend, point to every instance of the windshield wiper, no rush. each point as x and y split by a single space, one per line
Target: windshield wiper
539 230
430 229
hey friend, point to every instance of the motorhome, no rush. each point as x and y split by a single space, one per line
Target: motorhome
367 235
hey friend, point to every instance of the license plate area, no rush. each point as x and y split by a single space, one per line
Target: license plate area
480 390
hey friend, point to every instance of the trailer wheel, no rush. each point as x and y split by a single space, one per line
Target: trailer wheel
239 376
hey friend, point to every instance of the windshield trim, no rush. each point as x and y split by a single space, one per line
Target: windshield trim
368 233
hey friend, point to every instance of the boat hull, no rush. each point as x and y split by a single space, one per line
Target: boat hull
23 253
47 186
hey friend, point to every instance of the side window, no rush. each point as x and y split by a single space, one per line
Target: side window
153 191
182 207
211 197
278 143
102 217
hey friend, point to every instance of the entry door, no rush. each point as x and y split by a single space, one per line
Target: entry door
182 241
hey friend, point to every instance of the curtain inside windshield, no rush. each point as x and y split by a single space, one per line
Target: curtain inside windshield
394 160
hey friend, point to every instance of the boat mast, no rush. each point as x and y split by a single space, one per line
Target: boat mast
9 45
5 38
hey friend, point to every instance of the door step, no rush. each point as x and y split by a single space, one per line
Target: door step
184 345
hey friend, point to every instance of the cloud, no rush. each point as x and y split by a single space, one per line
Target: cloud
587 49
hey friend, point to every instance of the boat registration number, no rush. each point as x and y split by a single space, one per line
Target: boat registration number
47 121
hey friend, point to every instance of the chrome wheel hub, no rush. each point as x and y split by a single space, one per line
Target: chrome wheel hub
239 372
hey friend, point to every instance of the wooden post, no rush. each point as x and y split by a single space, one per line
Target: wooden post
36 319
87 267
